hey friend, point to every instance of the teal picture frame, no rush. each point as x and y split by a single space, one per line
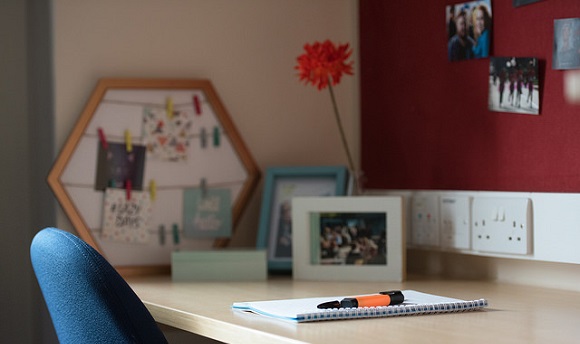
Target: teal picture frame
280 186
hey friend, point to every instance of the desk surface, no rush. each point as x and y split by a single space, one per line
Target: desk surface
516 314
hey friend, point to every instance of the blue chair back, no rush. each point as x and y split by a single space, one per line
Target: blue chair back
88 301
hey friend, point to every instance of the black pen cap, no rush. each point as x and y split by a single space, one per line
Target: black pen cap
329 304
397 296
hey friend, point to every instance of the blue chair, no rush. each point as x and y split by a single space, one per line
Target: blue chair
88 301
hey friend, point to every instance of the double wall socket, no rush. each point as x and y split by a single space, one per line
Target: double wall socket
502 225
425 221
455 222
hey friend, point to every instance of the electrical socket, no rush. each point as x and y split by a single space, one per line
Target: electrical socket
502 225
455 222
425 221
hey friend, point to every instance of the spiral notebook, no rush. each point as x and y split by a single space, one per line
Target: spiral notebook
305 310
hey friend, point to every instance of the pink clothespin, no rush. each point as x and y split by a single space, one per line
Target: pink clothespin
197 105
103 139
128 187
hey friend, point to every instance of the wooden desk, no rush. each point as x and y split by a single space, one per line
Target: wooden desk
516 314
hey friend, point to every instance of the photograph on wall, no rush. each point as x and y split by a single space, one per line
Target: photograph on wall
566 54
518 3
352 238
167 137
468 30
514 85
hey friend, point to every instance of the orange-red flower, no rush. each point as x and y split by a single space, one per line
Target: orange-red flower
324 62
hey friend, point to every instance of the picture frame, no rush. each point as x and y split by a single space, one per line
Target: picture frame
364 253
204 155
280 186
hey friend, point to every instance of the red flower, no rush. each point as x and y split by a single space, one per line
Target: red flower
323 62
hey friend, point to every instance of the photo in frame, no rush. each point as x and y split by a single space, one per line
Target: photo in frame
348 238
282 184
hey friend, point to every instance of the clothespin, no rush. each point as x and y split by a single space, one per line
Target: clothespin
169 107
203 137
103 139
197 105
203 187
128 144
152 189
161 235
216 136
128 187
175 230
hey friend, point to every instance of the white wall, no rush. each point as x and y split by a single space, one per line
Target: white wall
247 48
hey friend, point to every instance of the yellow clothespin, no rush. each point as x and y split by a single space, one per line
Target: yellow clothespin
152 189
169 107
128 144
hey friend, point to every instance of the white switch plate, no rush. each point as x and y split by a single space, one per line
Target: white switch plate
502 225
425 221
455 222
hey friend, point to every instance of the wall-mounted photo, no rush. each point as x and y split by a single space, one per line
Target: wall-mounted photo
514 85
566 53
468 30
518 3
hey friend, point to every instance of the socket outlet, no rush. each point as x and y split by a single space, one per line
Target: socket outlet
502 225
425 221
455 213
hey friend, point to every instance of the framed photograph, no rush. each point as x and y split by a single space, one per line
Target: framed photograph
348 238
282 184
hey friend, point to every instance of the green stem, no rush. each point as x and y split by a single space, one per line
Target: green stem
343 137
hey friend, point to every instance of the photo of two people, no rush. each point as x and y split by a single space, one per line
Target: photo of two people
468 30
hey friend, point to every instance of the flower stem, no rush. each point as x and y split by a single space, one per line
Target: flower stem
343 138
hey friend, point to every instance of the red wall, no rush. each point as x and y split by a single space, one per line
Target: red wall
425 122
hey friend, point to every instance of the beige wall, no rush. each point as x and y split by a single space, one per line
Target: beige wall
247 48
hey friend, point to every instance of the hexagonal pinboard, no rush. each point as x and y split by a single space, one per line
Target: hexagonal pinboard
159 148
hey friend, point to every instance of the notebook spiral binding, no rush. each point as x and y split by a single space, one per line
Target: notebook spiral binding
391 311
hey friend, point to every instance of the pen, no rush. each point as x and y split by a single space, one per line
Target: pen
384 298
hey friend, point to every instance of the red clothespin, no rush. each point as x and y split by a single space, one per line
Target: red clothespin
197 104
128 187
103 139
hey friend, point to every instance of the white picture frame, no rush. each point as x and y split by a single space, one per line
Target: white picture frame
312 218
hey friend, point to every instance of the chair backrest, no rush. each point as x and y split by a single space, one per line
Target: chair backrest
88 301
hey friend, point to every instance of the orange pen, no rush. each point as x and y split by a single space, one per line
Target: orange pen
384 298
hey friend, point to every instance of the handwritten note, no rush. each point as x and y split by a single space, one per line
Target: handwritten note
207 214
126 220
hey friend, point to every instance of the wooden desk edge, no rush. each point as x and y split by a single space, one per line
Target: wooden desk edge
211 328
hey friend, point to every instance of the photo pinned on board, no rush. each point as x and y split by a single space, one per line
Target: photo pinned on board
566 54
468 30
514 85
